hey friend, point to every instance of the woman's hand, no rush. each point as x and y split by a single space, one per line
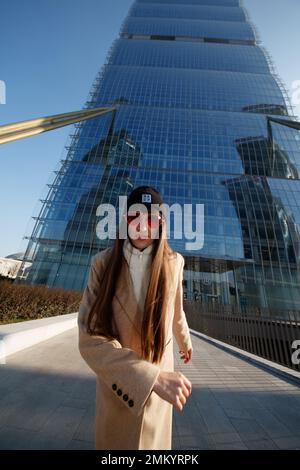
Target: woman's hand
186 356
173 387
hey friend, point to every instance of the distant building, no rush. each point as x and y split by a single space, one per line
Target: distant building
10 265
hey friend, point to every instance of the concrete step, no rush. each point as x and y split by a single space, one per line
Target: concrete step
15 337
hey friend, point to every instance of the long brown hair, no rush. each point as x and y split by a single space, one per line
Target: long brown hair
155 308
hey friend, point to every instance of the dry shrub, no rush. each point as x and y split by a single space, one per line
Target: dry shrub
19 302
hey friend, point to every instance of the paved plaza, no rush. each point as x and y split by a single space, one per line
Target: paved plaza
48 399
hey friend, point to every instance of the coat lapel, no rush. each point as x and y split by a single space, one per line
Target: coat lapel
126 299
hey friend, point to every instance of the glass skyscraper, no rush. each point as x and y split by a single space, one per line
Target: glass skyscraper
194 93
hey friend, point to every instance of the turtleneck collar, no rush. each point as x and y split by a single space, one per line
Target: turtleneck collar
130 250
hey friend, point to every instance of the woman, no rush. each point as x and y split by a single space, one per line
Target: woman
130 309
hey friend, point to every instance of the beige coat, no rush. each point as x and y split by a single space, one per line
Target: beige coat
129 414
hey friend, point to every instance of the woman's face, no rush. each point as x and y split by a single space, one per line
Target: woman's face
143 227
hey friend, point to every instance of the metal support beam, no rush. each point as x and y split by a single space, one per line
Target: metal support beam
22 129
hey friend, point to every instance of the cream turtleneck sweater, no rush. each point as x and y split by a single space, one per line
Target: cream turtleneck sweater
139 266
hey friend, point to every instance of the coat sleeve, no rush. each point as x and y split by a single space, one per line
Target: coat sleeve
180 326
128 376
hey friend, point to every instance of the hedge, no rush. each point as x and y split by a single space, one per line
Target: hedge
19 302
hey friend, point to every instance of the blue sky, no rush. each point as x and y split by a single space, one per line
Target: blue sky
51 51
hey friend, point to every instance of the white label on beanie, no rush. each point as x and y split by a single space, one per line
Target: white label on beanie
146 198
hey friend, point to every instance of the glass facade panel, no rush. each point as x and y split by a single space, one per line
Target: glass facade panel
193 12
203 56
194 119
225 3
194 89
188 28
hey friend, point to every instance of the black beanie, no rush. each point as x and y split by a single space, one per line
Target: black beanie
146 195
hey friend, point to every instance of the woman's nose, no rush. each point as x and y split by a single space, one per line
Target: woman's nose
143 225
